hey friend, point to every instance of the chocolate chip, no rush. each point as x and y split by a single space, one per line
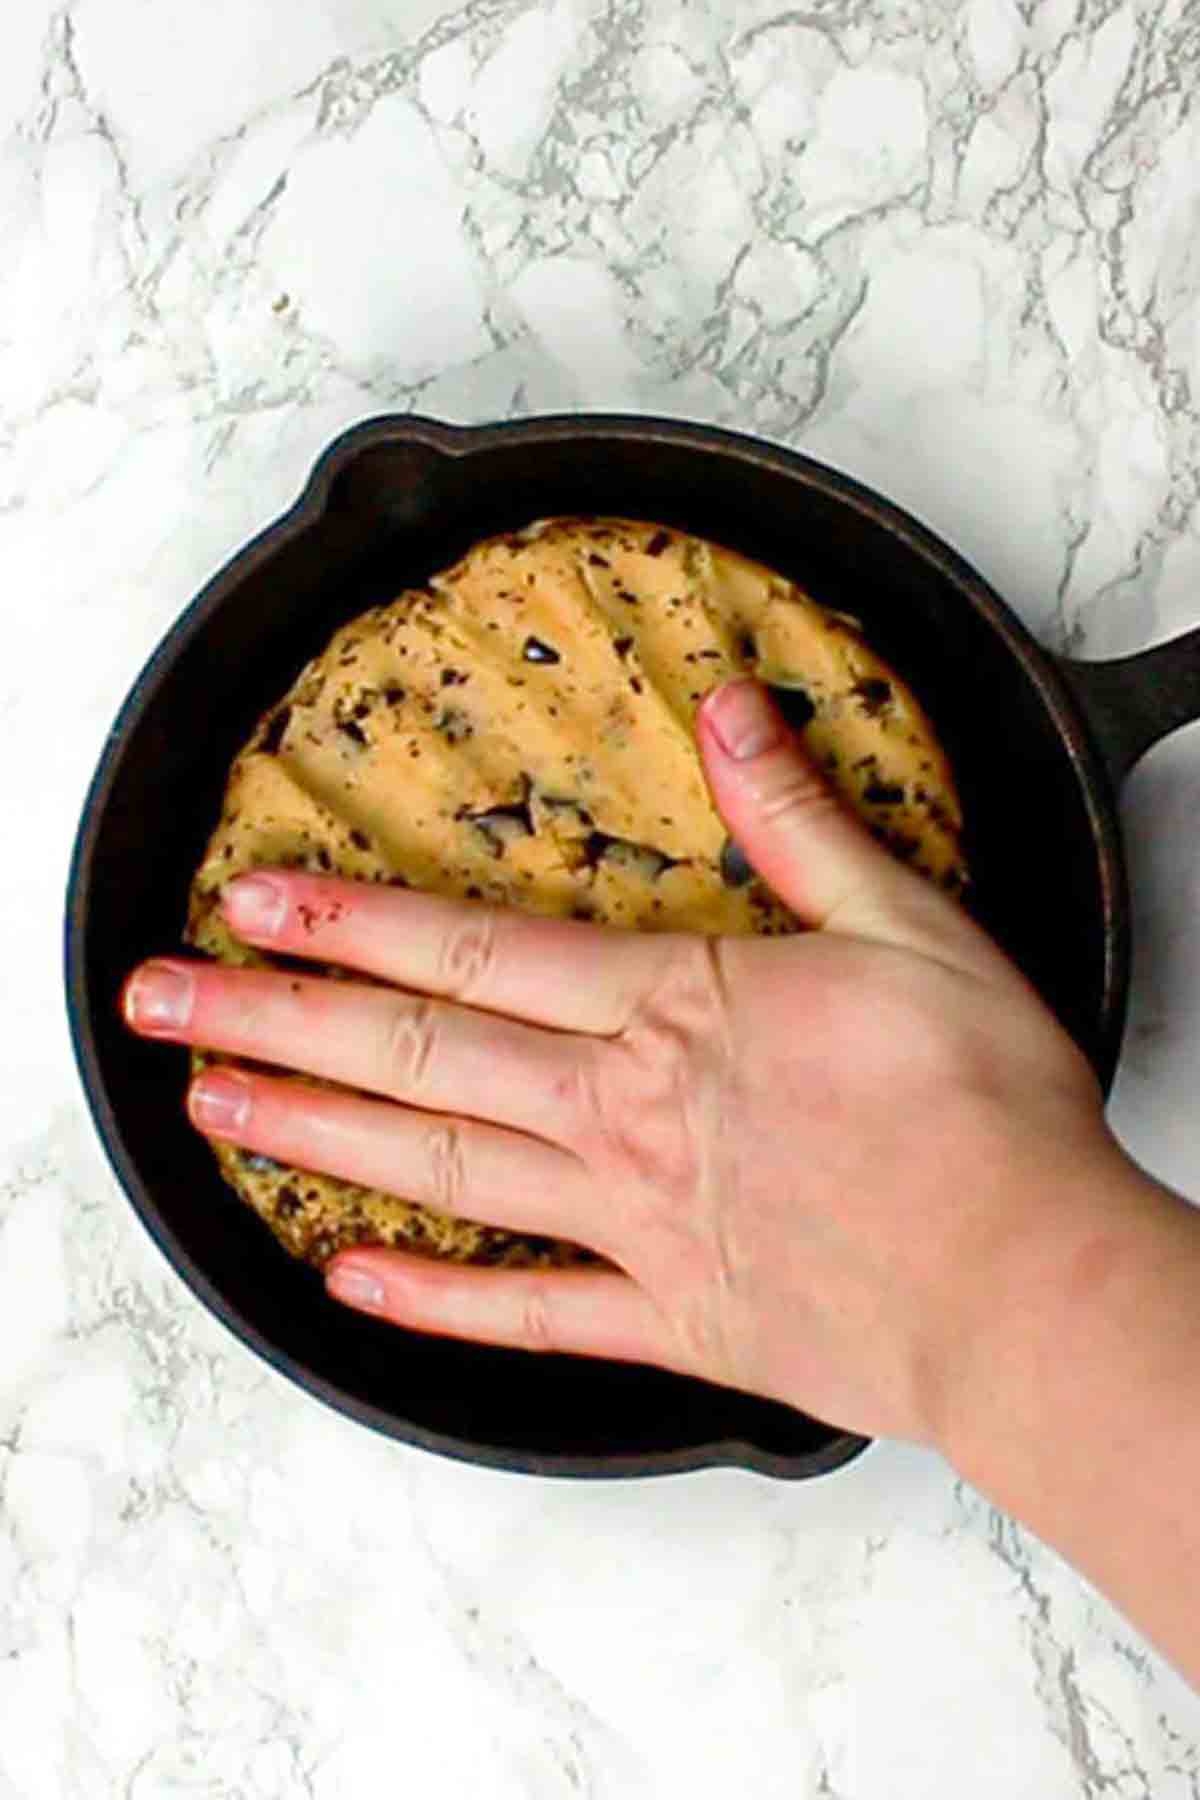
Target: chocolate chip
875 694
795 705
501 825
452 678
623 645
883 793
658 543
288 1203
359 839
735 869
898 842
350 728
454 725
535 651
640 859
393 694
272 736
555 803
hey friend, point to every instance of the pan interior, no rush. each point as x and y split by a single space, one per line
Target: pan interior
394 515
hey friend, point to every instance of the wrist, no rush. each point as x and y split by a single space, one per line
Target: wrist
1088 1335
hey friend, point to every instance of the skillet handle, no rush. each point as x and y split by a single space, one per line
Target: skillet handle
1131 702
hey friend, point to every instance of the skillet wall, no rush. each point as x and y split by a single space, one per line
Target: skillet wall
396 512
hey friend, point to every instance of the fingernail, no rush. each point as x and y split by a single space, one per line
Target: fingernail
256 904
160 998
743 720
220 1102
355 1287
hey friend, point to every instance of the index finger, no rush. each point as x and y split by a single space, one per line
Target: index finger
558 972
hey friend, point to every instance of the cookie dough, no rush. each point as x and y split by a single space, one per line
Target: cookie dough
521 731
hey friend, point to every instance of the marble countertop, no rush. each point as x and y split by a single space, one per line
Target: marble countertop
954 248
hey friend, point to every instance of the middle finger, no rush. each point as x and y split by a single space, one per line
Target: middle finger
427 1053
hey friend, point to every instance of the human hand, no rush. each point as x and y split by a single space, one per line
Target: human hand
809 1161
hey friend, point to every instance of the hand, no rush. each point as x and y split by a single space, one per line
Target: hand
810 1161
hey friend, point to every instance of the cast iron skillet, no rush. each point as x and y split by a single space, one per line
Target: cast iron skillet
1039 744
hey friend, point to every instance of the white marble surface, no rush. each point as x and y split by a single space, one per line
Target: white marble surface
954 248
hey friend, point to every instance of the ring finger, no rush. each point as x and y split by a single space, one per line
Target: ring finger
469 1170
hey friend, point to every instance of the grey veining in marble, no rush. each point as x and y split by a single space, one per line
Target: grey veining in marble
953 248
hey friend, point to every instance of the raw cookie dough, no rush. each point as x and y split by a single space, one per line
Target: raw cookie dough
520 731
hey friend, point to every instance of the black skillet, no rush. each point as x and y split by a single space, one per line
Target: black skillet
1039 743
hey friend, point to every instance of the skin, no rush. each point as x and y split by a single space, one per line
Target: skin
862 1170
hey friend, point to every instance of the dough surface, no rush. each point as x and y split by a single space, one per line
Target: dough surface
520 731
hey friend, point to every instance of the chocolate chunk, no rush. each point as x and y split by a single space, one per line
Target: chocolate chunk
735 870
883 793
359 839
875 694
623 645
393 694
658 543
454 725
555 803
641 859
898 842
350 728
273 734
501 825
535 651
795 705
453 678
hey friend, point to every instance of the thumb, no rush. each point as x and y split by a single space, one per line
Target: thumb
801 837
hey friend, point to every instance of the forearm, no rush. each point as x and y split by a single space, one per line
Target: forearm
1082 1413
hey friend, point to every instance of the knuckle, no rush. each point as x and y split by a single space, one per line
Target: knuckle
792 787
660 1081
468 956
577 1089
699 1337
446 1165
409 1036
535 1328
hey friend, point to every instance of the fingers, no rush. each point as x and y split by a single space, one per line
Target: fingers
557 972
804 840
585 1312
469 1170
424 1052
